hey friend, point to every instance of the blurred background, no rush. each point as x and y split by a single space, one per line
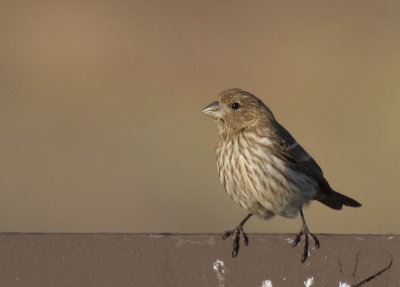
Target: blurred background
100 122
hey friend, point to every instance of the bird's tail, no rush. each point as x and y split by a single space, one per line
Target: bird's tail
336 200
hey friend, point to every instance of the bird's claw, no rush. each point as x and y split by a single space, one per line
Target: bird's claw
238 234
227 234
245 239
307 234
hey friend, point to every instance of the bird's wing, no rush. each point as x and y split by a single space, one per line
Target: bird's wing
290 151
298 159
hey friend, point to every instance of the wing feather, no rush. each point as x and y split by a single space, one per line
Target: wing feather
290 151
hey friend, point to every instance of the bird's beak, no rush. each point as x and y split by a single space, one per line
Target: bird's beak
213 110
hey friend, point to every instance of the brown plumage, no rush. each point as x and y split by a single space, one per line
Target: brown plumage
263 168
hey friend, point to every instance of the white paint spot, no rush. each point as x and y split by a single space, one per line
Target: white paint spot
267 283
391 237
344 284
290 240
219 268
155 235
309 282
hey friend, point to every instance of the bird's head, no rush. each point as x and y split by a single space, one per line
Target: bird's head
238 110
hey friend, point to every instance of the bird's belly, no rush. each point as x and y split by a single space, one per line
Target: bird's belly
268 188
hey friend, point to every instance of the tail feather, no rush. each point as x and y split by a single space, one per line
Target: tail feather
336 200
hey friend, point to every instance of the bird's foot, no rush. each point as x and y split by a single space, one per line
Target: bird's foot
237 234
304 231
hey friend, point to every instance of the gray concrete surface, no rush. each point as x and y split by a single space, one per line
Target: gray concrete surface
195 260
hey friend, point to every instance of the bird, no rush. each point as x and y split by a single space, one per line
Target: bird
264 169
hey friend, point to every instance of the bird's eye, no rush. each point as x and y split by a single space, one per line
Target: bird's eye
235 106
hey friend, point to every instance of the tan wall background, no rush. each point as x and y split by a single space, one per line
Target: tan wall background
100 105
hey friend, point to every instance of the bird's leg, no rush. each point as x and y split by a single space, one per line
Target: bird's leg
238 233
304 231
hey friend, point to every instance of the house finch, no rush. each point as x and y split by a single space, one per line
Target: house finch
263 168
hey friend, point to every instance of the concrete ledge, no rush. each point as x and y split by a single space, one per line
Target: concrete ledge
190 259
